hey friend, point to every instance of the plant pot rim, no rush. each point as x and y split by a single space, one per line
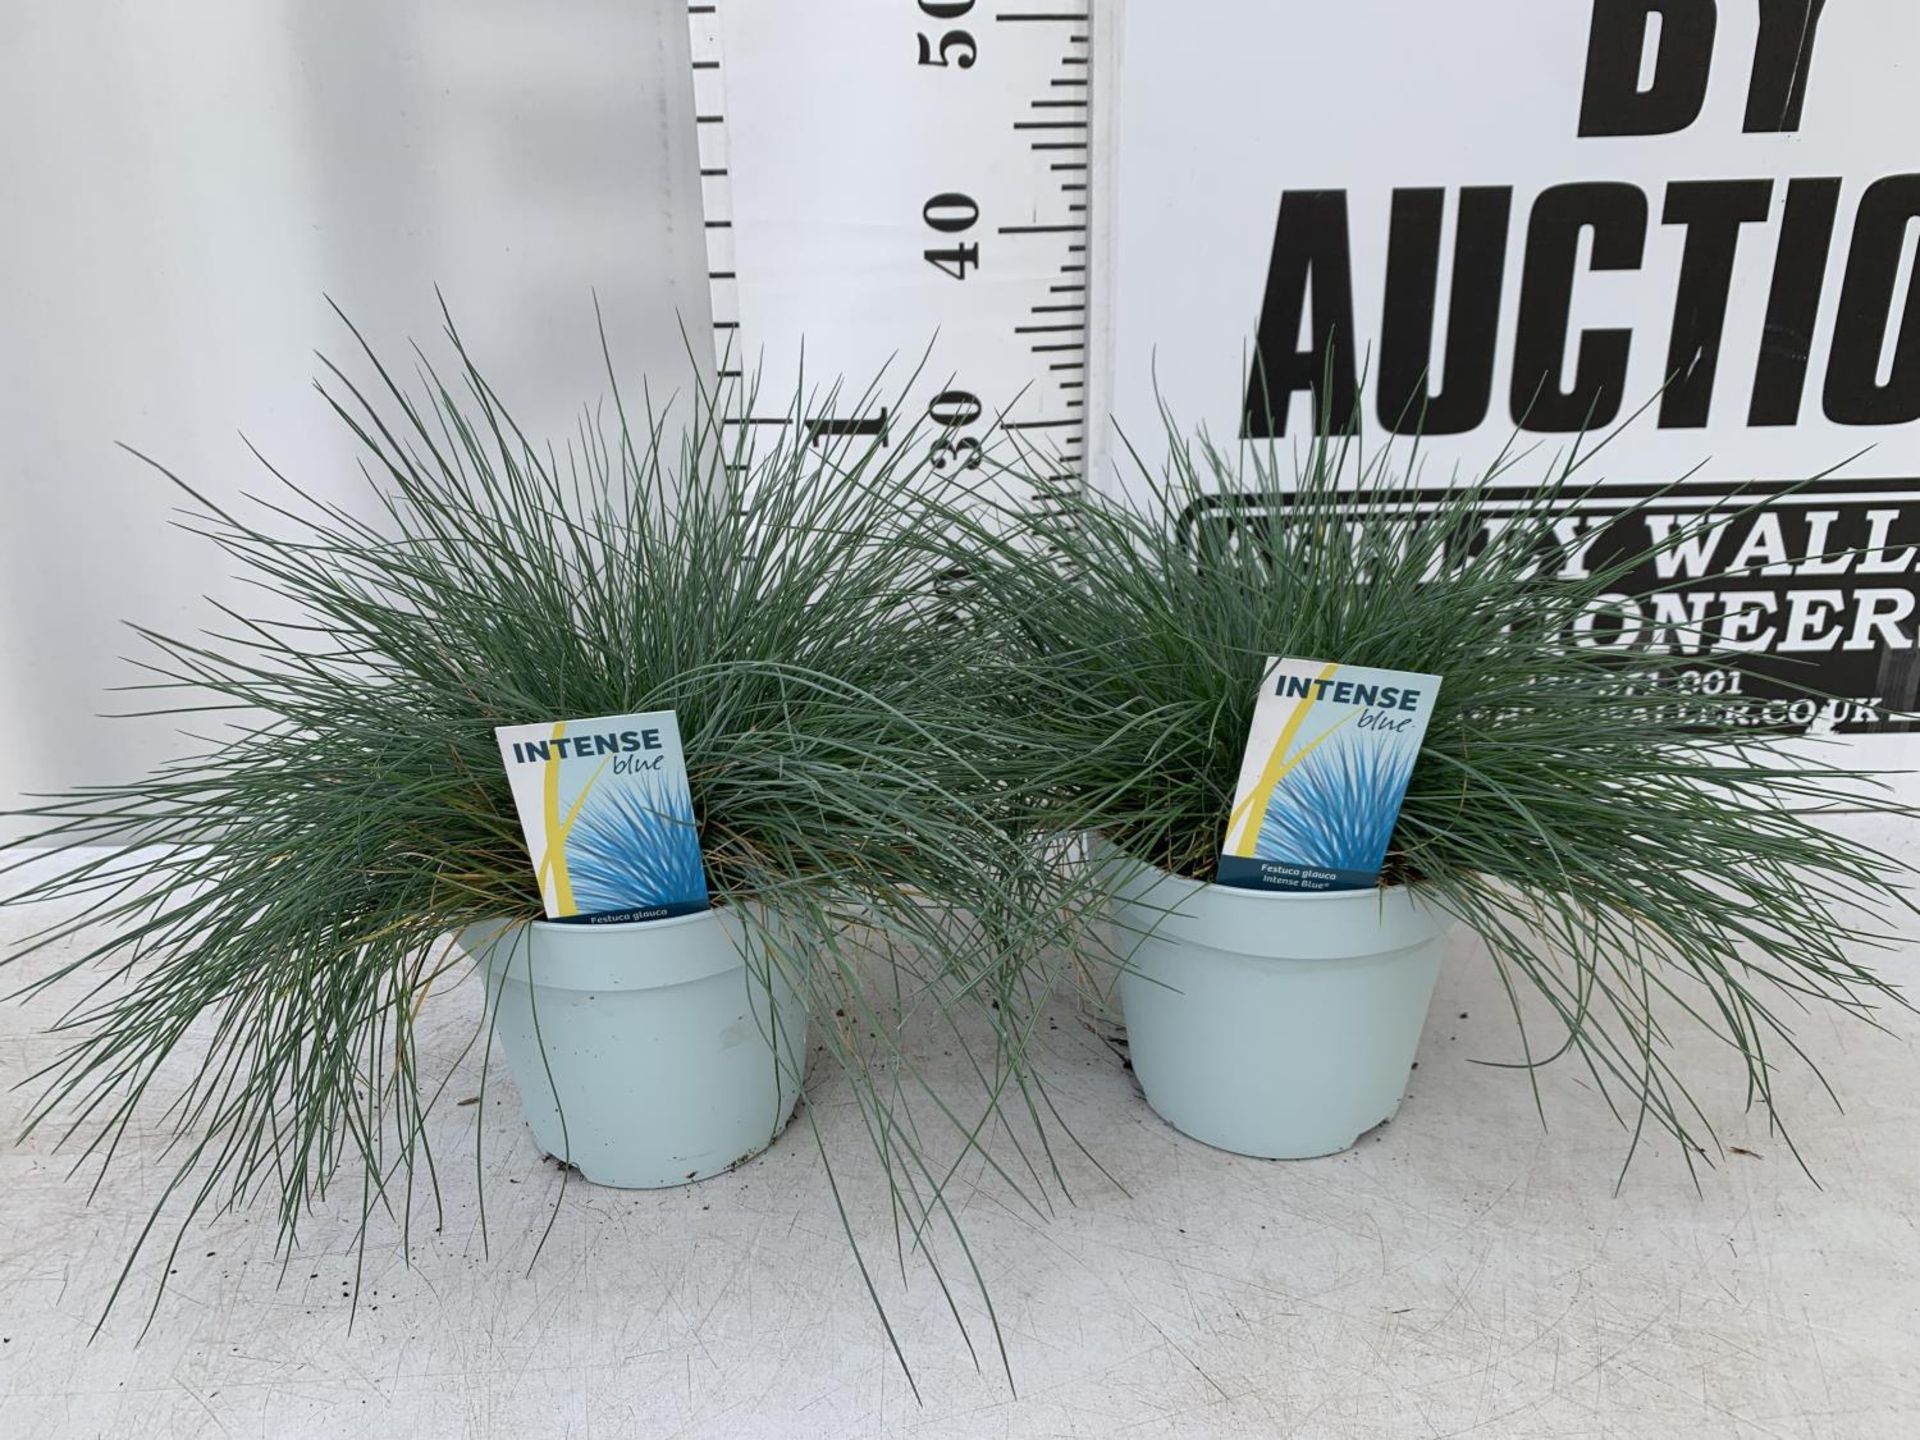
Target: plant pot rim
628 955
666 922
1311 925
1412 889
508 922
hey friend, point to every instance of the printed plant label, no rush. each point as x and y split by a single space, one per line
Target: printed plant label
1328 760
608 817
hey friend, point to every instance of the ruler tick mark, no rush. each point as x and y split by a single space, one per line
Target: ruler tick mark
1061 326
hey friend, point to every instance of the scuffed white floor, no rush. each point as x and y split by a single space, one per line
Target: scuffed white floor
1461 1272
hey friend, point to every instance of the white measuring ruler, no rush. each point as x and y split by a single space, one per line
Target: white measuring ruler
887 180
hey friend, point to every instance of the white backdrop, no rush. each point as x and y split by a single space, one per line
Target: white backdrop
183 183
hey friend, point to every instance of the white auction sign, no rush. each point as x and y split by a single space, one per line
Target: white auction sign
1493 218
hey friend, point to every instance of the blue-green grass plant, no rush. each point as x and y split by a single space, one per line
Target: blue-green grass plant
295 882
1633 856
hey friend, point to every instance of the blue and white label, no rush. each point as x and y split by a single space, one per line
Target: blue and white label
1328 760
608 815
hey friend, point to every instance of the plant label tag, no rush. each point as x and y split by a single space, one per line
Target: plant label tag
608 817
1327 764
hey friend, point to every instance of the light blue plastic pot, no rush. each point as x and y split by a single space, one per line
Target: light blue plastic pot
649 1054
1276 1025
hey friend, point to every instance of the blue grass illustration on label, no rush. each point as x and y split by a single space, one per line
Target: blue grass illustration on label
608 817
1327 764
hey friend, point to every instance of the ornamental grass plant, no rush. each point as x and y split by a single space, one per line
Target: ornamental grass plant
1635 851
290 889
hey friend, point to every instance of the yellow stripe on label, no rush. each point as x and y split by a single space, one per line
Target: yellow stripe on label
554 862
1251 813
